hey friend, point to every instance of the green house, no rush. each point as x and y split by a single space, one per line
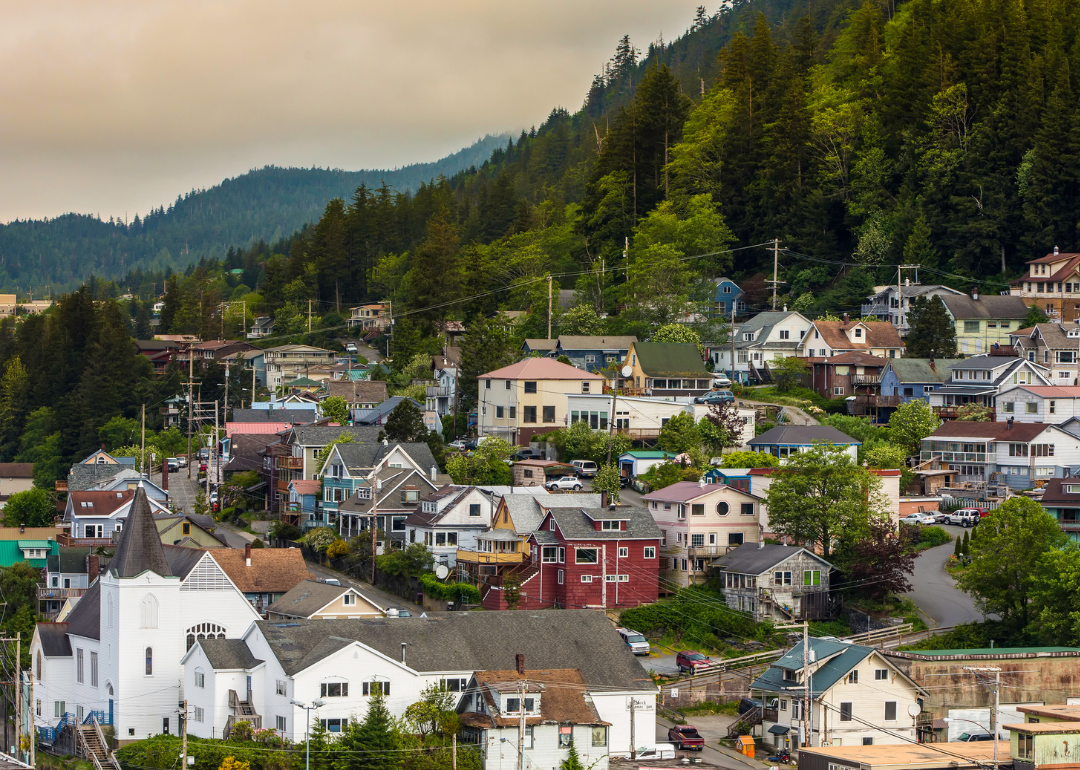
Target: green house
34 552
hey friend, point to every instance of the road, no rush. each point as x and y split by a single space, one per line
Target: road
712 728
934 590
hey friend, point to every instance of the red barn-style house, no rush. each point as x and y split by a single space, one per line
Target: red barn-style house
587 558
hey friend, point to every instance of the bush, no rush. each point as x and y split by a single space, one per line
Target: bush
336 549
460 593
933 536
696 615
283 530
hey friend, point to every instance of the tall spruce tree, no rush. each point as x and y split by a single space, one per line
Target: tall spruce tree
930 331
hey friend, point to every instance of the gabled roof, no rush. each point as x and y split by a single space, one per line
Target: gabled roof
527 511
750 559
54 640
598 342
17 470
228 654
1051 391
321 435
471 641
839 657
577 523
99 503
560 701
963 307
541 344
878 334
540 369
1020 432
762 324
358 457
684 491
802 435
358 391
294 416
308 597
1054 492
85 619
918 370
670 358
140 546
853 358
272 570
383 409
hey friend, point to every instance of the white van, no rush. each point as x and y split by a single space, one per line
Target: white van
586 469
637 643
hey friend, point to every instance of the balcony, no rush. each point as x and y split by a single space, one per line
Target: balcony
700 551
66 540
881 310
865 379
953 412
289 463
953 457
61 486
50 592
482 557
440 391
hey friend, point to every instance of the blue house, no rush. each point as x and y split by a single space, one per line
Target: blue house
786 440
736 478
728 296
349 466
911 379
302 496
592 353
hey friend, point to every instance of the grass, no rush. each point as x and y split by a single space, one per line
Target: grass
730 708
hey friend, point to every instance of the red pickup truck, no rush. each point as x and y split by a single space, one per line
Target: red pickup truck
686 738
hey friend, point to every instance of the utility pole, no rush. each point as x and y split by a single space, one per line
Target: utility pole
775 268
996 671
183 740
549 307
309 316
252 384
733 303
190 378
453 752
807 741
374 519
18 696
226 388
633 741
521 728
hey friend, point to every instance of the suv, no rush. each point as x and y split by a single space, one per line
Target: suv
637 643
716 397
564 482
691 661
585 468
528 454
965 517
969 737
172 464
350 347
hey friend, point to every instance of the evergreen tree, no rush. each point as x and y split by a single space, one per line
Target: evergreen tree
919 249
966 548
958 547
406 423
930 331
376 738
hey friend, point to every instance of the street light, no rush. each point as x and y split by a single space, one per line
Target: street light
994 738
315 704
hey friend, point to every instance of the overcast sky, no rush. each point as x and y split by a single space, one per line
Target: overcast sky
116 106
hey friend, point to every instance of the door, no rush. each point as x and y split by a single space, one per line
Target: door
165 725
110 711
248 698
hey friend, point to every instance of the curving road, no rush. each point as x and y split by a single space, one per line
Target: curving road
934 590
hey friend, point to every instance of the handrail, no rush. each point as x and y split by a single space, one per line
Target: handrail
104 745
85 746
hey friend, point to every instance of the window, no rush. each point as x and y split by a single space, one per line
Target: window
149 611
845 712
650 552
549 414
735 538
79 711
624 553
881 674
586 578
782 578
513 413
562 554
561 575
747 509
529 414
499 412
1008 407
697 509
79 665
93 669
149 661
858 333
599 736
530 387
506 384
696 541
335 725
279 724
838 391
867 741
349 600
487 384
280 688
785 334
890 711
853 677
586 556
454 685
37 707
549 554
585 385
909 392
334 689
565 736
1032 407
368 688
1025 746
59 708
39 665
971 327
783 704
199 714
513 705
811 577
187 529
722 508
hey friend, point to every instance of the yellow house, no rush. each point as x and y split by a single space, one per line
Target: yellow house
666 369
323 601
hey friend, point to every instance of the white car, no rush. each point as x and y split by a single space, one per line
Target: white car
918 518
459 445
721 381
565 482
350 347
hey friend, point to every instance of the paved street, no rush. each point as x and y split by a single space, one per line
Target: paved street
712 728
935 592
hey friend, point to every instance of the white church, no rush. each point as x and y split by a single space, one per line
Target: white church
120 651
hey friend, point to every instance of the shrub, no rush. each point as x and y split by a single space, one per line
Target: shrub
461 593
696 615
336 549
933 536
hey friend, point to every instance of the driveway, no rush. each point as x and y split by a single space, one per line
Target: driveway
935 591
712 728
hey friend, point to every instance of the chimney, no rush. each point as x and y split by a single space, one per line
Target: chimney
434 472
22 529
403 644
603 498
975 293
760 544
1055 251
520 660
91 568
247 554
1010 423
702 482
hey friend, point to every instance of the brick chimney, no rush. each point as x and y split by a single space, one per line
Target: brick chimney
603 498
520 660
247 554
91 568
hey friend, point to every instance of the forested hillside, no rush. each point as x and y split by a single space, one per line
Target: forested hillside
266 203
933 133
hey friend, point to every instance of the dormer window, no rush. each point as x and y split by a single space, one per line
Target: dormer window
858 333
610 524
748 336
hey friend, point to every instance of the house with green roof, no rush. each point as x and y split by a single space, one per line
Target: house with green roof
666 369
636 462
33 552
911 379
857 697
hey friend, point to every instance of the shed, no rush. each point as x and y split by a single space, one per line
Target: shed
746 745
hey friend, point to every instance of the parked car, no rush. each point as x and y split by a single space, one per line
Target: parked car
564 482
350 347
330 581
721 381
965 517
918 518
172 464
637 643
202 467
748 704
624 482
716 397
969 737
686 738
458 444
182 459
528 454
204 453
585 468
689 660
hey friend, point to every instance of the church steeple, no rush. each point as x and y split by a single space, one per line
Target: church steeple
140 546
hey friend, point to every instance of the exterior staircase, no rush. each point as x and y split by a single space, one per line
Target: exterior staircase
243 711
93 746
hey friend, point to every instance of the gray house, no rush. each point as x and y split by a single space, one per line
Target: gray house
592 353
776 582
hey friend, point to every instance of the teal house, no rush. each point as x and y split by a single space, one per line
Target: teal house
638 461
33 552
1061 499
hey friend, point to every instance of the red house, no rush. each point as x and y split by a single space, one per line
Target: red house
587 558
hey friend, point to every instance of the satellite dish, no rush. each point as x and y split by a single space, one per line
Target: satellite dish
441 572
914 710
626 372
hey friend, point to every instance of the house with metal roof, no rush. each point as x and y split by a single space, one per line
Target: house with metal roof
341 662
759 340
593 352
980 379
1039 403
666 369
911 379
984 321
857 697
786 440
776 582
638 461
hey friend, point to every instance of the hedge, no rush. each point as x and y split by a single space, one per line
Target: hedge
462 593
695 616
